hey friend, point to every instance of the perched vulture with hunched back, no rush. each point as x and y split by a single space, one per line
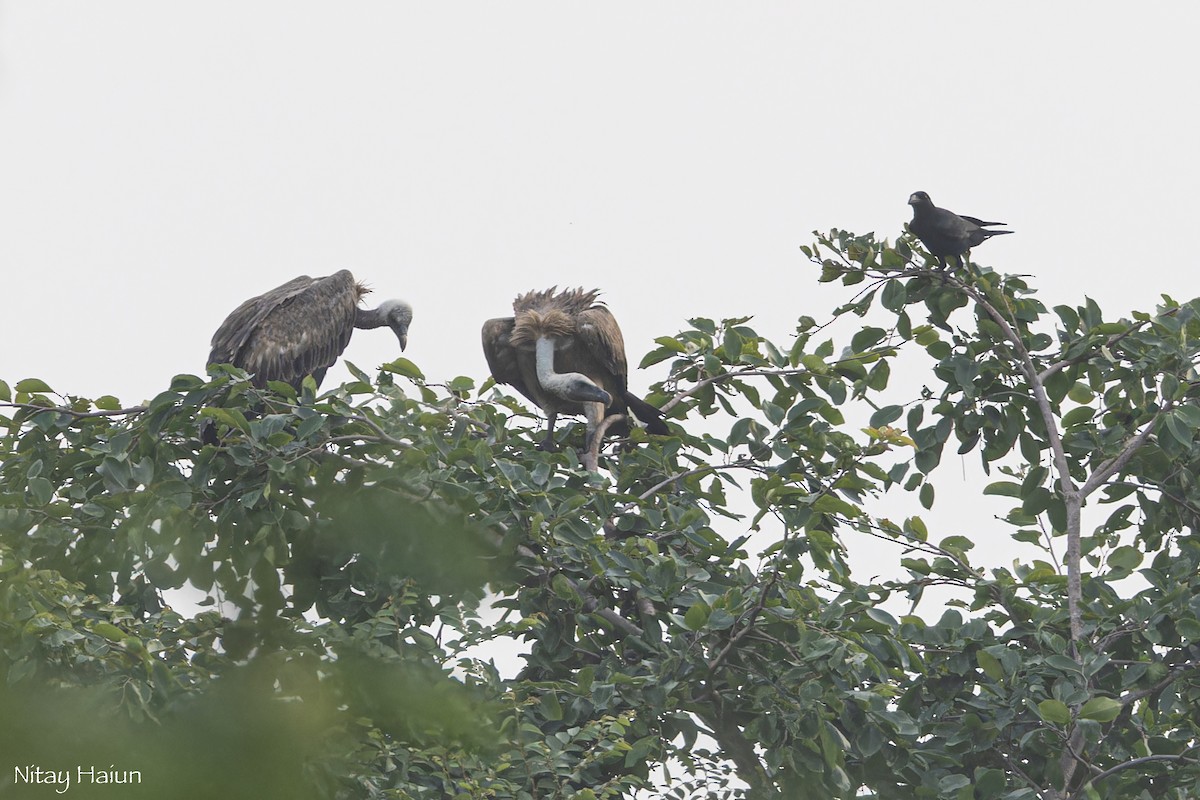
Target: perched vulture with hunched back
564 351
301 327
945 233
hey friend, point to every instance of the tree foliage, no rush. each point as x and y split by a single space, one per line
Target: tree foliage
353 554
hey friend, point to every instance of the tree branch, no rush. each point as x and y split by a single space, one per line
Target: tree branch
1108 468
734 744
653 490
1070 494
750 372
589 599
1171 677
1059 366
1082 791
78 414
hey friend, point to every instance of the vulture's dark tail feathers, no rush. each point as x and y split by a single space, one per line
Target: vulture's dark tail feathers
647 414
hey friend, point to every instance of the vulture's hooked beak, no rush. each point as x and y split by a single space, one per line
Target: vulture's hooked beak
400 328
582 390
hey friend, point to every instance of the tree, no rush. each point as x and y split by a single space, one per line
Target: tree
347 543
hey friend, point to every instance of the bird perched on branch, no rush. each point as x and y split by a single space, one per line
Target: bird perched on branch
301 327
945 233
564 351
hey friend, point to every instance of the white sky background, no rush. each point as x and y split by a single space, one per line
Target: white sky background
161 162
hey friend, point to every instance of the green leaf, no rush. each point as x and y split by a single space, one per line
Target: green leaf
1054 711
1100 709
1061 662
1188 629
41 490
989 783
5 393
230 416
107 403
894 296
108 631
551 707
1069 317
990 665
867 338
916 526
1178 429
885 416
696 616
1125 558
883 617
960 543
33 386
1081 393
562 587
1003 489
656 356
1189 415
310 426
719 620
732 344
402 366
926 496
1110 328
1078 416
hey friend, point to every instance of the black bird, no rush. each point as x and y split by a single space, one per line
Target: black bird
945 233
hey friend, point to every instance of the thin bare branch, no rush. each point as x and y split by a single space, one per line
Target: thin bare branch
118 412
656 488
751 372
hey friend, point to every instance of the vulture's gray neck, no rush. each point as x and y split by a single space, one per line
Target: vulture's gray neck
370 318
377 317
573 386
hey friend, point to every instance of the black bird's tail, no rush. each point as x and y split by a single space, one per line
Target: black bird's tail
647 414
981 223
990 234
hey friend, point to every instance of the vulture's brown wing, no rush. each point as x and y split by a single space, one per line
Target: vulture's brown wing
231 337
291 331
502 356
598 331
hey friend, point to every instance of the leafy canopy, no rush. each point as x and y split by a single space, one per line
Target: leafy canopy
356 555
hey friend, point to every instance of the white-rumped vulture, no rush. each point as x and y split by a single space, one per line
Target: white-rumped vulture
945 233
564 351
301 327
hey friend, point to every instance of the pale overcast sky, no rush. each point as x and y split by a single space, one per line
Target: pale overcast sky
161 162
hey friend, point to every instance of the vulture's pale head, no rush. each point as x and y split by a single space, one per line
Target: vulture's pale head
398 316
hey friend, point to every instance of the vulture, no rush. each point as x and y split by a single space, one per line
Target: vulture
564 351
301 327
945 233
